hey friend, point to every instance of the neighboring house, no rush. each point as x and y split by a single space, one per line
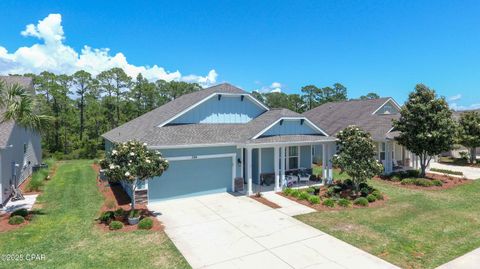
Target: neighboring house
215 135
20 148
374 116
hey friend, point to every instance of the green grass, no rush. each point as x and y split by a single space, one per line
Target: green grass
64 231
37 181
317 170
414 229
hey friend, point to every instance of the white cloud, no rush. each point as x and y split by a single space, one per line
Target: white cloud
455 97
274 87
457 107
53 55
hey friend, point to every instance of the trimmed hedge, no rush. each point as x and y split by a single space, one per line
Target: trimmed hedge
115 225
371 198
145 224
361 201
344 202
423 182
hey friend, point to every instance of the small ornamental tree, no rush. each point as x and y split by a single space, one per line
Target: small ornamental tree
356 155
469 132
131 162
426 126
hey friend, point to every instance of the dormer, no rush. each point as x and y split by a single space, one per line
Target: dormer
390 107
228 108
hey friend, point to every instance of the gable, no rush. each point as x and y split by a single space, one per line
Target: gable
388 108
291 126
222 108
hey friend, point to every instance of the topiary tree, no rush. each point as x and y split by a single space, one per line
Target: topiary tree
356 156
426 126
468 134
131 162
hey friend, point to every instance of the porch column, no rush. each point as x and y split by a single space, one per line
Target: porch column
276 169
282 165
331 152
388 157
324 161
249 171
242 164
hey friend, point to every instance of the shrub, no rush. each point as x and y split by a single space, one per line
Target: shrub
437 182
412 173
313 199
145 224
310 190
423 182
295 193
287 191
15 220
316 190
303 195
371 198
20 212
106 217
134 213
396 178
446 171
408 181
330 191
378 194
115 225
344 202
364 191
119 213
348 182
361 201
329 202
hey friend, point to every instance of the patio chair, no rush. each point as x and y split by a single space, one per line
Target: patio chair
303 176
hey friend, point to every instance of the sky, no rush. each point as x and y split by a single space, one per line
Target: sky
380 46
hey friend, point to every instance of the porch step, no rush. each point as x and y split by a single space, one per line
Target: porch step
141 197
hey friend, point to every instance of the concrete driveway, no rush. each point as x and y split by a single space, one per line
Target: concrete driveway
224 231
468 172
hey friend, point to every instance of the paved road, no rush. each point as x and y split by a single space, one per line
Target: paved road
224 231
468 172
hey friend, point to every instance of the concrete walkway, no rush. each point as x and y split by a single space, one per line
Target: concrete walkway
468 172
470 260
224 231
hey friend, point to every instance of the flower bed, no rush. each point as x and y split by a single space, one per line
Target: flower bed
410 179
337 196
114 213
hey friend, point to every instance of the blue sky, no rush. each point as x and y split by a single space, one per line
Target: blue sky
381 46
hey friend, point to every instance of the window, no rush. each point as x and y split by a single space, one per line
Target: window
292 157
382 151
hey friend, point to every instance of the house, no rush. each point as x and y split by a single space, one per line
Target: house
374 116
20 148
215 135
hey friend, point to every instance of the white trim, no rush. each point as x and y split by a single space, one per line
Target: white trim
242 163
207 98
299 143
200 157
193 146
388 100
290 118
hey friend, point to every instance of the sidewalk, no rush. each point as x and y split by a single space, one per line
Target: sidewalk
470 260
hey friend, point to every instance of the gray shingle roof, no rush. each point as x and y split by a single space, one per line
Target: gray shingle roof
7 127
144 128
334 117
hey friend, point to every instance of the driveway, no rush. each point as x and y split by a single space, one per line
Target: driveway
224 231
468 172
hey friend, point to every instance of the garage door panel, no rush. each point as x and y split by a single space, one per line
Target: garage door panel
192 177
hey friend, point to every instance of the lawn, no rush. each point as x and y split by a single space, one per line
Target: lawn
415 229
64 231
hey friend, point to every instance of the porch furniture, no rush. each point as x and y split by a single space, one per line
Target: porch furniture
267 179
303 176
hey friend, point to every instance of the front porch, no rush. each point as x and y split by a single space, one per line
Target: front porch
273 167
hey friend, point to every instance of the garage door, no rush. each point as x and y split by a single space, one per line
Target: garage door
191 177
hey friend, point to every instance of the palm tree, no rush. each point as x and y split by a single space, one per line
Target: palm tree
17 104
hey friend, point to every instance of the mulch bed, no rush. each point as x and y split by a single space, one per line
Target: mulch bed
320 207
115 197
265 201
448 182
